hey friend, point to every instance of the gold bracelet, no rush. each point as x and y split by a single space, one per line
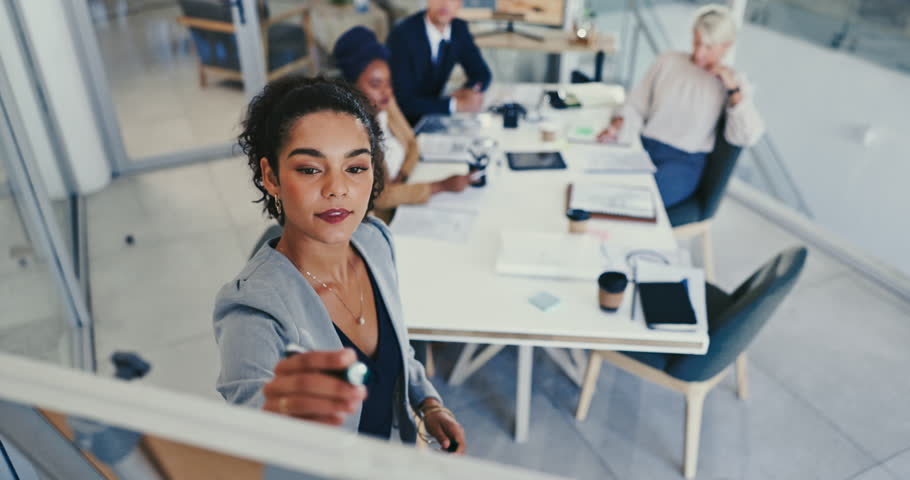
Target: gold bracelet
425 412
422 417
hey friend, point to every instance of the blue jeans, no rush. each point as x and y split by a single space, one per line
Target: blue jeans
678 172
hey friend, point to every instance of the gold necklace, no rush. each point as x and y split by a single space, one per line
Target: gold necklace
358 318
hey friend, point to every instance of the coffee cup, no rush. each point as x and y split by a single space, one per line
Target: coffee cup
548 132
578 220
610 291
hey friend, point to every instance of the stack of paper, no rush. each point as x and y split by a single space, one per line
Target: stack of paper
437 223
551 255
611 159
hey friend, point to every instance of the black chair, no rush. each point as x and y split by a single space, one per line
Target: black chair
286 45
733 322
692 217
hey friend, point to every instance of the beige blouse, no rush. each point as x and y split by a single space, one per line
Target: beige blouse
397 192
678 103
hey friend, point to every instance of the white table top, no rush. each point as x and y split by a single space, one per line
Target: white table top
451 292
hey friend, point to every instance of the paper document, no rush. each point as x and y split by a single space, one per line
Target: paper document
551 255
611 159
469 199
437 223
613 199
439 147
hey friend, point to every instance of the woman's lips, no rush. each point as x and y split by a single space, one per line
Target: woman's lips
335 215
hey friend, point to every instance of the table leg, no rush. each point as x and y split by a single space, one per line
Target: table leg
467 363
459 374
523 393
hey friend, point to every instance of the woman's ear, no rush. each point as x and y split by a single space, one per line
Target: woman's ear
269 177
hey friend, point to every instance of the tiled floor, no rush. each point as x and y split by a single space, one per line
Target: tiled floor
827 399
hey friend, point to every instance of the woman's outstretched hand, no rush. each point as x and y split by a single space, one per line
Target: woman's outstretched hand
302 389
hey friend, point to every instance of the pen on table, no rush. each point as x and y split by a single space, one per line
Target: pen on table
356 374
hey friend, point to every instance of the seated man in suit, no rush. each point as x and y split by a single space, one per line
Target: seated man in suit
424 49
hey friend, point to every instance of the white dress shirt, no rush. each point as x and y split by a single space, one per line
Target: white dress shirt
679 103
435 36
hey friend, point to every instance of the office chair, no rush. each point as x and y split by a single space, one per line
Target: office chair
286 45
693 217
734 320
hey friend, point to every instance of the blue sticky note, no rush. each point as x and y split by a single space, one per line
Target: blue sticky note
544 301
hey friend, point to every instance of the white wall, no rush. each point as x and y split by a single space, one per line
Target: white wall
67 95
27 104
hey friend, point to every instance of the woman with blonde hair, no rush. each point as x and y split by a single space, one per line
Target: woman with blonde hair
676 107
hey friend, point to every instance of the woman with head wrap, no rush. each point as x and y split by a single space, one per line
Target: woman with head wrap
363 62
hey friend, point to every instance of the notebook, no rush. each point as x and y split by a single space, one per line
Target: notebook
666 305
614 201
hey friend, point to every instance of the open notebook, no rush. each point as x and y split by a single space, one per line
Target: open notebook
612 200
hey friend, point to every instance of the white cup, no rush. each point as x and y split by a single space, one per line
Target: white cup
548 132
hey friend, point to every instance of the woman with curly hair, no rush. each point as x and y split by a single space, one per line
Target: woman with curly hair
329 282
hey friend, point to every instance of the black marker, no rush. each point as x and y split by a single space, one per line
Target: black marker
356 374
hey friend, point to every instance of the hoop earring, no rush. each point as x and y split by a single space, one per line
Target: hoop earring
278 206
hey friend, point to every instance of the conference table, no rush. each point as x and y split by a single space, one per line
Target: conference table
447 252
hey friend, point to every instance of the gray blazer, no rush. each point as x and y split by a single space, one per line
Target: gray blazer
271 304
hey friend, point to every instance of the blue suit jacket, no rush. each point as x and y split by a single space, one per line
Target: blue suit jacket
418 83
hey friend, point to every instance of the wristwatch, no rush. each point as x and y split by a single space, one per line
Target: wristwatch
732 91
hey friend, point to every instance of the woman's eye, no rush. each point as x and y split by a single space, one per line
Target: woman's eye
308 170
357 169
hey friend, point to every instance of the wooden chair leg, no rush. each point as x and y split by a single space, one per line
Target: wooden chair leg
695 401
588 386
707 246
202 80
742 382
431 364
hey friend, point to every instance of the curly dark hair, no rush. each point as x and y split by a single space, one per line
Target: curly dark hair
272 114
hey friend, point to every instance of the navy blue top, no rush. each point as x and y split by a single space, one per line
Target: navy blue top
385 368
417 81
